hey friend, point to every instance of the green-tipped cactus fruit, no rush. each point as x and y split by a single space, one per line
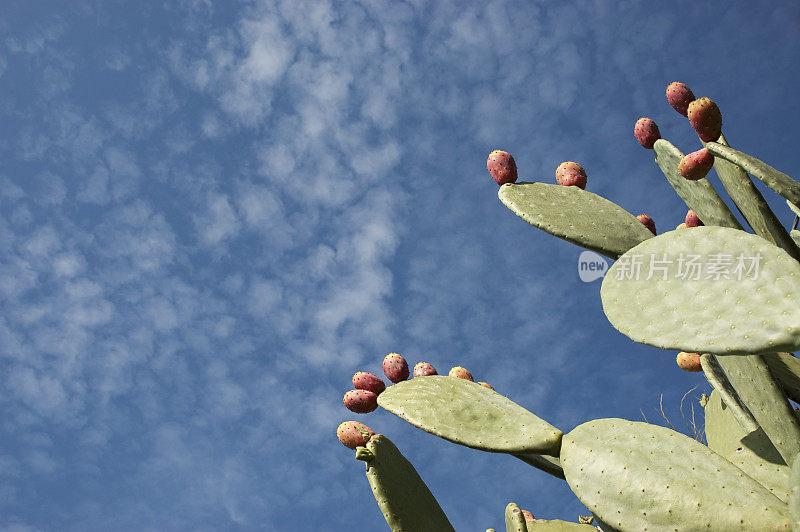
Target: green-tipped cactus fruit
679 97
647 222
360 401
353 434
460 373
466 413
646 132
575 215
692 220
689 362
637 476
363 380
395 367
486 385
405 501
686 291
706 119
423 369
502 167
696 165
571 174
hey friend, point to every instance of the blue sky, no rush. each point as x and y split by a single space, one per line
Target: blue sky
213 214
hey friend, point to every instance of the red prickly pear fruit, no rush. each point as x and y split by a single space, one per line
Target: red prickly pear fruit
460 373
360 401
679 97
646 132
486 385
353 434
363 380
692 220
706 119
689 361
423 369
502 167
395 367
696 165
648 222
571 174
528 516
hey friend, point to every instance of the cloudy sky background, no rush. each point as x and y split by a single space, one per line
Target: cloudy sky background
213 214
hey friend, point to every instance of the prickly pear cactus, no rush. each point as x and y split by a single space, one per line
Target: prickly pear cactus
716 290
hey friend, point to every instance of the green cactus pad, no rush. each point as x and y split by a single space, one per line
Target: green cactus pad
724 389
548 464
795 234
637 476
795 208
785 368
699 195
756 387
774 179
752 453
752 204
575 215
794 494
748 313
406 502
515 521
466 413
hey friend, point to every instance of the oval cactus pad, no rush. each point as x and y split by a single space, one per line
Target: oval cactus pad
406 502
466 413
637 476
575 215
706 290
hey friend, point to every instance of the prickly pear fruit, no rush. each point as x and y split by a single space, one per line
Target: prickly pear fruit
679 97
502 167
706 119
692 219
570 173
363 380
681 226
696 165
646 132
486 385
461 373
689 361
648 222
423 369
360 401
353 434
395 367
528 516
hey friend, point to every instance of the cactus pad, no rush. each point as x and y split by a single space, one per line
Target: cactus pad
515 521
752 204
774 179
752 453
557 525
785 369
466 413
406 502
699 195
716 304
637 476
575 215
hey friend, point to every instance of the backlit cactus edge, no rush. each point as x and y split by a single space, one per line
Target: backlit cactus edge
713 289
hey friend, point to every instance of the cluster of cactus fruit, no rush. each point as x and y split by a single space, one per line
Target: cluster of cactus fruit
728 300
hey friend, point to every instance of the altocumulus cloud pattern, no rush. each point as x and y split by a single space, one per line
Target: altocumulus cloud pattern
212 215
